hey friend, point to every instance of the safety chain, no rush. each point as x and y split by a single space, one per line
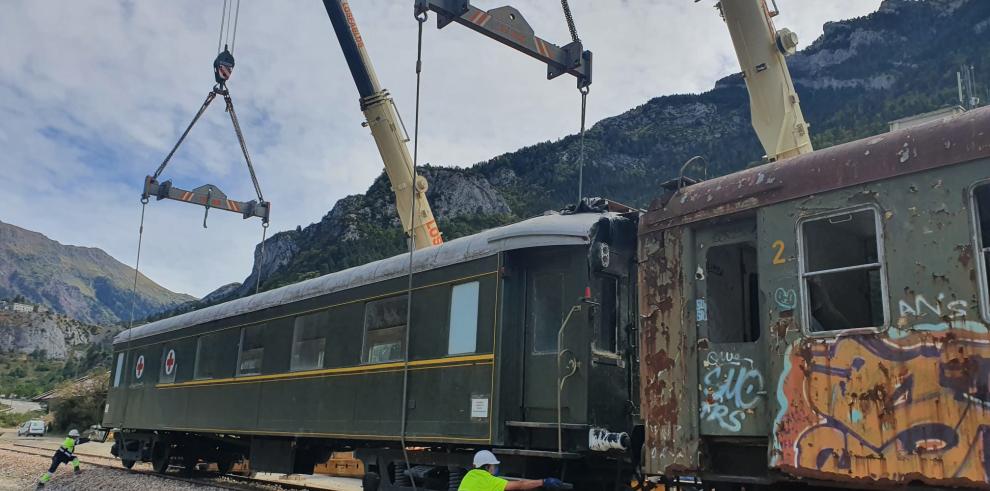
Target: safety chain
570 20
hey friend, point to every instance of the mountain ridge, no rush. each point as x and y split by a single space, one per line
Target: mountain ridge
859 75
84 283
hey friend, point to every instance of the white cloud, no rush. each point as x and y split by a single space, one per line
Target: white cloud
94 93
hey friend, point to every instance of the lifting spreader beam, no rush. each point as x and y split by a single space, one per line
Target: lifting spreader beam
207 195
507 26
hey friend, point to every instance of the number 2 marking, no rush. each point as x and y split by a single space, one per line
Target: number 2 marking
779 257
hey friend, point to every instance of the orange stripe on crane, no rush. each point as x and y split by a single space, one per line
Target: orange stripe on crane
542 46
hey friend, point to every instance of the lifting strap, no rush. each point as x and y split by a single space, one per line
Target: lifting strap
208 195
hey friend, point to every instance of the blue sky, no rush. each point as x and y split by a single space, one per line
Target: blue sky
93 93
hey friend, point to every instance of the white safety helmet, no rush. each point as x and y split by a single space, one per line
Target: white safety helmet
483 458
74 433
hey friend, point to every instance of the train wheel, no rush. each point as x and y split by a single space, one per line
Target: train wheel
160 456
127 463
225 463
370 481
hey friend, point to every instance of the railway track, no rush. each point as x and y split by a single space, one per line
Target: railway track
242 483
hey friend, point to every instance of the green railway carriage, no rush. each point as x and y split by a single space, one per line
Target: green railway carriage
825 318
286 376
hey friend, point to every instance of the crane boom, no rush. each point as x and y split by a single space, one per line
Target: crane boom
382 119
776 110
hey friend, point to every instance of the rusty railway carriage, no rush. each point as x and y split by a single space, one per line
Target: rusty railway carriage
284 377
825 318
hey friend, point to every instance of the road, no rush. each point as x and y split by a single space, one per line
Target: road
18 407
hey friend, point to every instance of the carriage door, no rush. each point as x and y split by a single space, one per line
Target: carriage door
551 290
732 360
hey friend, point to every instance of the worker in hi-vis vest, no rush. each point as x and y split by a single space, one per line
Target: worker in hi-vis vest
64 455
484 477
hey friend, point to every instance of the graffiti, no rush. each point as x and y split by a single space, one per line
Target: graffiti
921 307
732 388
888 406
786 299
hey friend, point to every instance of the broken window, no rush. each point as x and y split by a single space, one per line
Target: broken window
546 302
732 294
309 341
608 315
384 330
463 327
842 272
252 350
981 196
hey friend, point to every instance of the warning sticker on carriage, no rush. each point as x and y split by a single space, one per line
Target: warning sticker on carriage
479 407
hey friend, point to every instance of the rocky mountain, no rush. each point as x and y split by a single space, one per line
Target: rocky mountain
859 75
50 335
83 283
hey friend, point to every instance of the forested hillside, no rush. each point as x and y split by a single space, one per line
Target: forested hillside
862 73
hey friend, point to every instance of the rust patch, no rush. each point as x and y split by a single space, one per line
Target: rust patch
965 254
855 163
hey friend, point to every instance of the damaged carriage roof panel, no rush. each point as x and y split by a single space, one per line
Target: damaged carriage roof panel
550 230
960 139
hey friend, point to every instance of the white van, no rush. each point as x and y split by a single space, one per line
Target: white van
35 427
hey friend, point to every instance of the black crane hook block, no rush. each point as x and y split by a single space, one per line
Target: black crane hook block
223 67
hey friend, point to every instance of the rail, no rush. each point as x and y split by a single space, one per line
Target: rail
246 483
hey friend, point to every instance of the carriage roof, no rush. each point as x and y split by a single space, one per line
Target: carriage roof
548 230
937 144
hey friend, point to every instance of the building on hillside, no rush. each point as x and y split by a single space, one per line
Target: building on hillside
943 114
93 383
22 307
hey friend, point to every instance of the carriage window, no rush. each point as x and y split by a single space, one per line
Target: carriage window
546 310
119 370
732 290
842 273
463 326
384 330
608 315
308 341
205 365
252 349
166 375
982 196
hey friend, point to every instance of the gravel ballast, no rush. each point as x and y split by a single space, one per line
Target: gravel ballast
21 472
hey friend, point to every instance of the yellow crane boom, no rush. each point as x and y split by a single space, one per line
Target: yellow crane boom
776 109
382 118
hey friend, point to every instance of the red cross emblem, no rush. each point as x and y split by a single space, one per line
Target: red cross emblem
170 362
139 368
